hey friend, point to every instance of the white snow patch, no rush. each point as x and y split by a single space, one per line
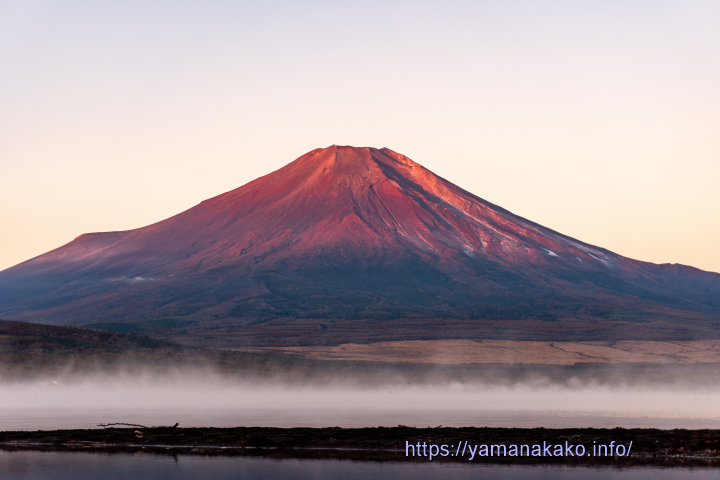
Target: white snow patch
137 279
592 253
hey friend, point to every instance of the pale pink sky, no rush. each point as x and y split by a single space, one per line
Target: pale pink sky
597 119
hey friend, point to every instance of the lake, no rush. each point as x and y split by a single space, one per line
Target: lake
200 402
17 418
31 465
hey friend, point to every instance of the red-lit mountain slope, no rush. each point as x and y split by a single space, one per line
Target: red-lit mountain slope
356 244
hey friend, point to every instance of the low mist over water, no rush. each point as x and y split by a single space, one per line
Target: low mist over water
204 398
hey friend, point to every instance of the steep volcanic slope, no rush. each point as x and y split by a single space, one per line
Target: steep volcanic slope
356 244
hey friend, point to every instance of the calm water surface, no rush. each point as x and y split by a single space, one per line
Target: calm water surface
204 400
81 466
35 418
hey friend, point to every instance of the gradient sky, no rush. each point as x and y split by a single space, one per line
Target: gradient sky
599 119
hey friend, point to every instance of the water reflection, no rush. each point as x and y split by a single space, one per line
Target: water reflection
27 465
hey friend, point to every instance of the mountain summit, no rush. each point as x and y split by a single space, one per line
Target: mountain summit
356 244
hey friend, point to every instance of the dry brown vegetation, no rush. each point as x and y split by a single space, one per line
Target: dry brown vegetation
458 352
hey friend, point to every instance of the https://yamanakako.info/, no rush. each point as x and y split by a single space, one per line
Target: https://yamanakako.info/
472 451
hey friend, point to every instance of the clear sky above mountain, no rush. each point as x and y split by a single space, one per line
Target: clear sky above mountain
598 119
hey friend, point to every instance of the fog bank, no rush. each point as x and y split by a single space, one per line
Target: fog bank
202 398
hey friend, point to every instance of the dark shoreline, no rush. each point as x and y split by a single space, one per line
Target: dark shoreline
650 446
